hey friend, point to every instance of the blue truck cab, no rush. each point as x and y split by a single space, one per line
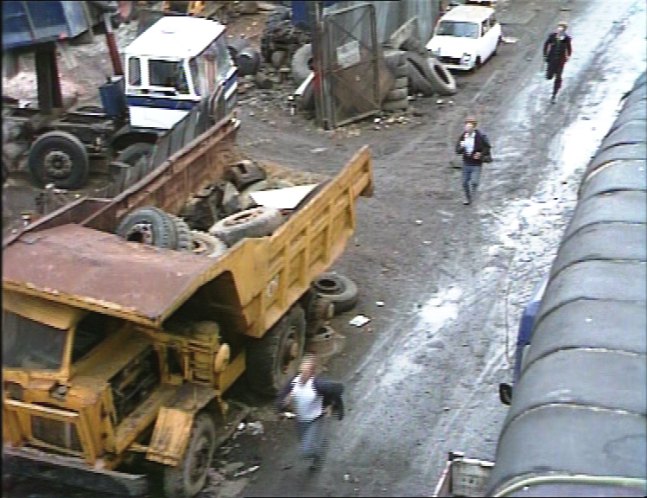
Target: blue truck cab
524 337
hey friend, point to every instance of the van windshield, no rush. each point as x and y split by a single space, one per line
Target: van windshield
458 29
31 345
169 74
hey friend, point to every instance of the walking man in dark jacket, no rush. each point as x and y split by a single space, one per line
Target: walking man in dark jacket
474 146
557 51
312 399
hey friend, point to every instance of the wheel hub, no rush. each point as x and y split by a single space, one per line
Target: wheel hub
141 232
58 164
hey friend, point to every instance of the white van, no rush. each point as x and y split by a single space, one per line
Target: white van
465 37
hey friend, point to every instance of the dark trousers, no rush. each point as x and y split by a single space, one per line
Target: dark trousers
554 70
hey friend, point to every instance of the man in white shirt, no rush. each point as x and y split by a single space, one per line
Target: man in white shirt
312 399
474 146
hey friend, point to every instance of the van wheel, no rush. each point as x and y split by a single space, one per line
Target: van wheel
276 356
478 63
189 477
149 225
60 158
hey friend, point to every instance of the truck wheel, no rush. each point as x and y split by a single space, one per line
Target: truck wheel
184 238
341 290
133 153
189 477
207 245
60 158
274 359
149 225
255 222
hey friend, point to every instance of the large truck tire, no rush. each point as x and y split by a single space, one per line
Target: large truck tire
204 244
274 359
133 153
341 290
183 232
60 158
255 222
418 83
190 475
441 79
149 225
302 63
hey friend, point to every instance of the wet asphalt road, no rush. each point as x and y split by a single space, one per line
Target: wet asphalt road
424 381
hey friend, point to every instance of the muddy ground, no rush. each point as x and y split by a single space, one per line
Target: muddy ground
422 377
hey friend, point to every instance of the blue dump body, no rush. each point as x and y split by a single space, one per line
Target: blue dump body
300 12
30 23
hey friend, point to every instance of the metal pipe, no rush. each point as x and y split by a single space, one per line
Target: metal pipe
112 46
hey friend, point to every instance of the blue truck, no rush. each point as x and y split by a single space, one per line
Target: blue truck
176 65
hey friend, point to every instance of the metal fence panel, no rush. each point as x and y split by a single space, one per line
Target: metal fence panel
391 14
351 75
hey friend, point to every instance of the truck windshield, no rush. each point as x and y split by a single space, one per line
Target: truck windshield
168 74
458 29
31 345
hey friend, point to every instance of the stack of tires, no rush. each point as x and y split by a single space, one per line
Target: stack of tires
398 97
415 74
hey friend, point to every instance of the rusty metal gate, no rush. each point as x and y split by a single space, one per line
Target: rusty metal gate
350 66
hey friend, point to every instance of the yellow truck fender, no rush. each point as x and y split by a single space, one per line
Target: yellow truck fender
174 421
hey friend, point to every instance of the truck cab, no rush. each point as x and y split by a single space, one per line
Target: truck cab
176 64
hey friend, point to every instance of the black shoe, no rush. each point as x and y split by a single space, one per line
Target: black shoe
552 99
466 203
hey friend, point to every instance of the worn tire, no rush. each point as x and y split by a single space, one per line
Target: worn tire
418 83
237 45
341 290
442 80
401 71
60 158
204 244
301 63
396 105
397 94
255 222
184 237
149 225
277 355
136 152
420 63
413 44
401 82
189 477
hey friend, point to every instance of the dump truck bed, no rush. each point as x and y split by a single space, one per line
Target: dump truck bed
253 283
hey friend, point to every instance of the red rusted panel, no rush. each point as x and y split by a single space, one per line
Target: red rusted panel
98 270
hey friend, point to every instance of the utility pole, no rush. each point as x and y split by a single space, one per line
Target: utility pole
318 58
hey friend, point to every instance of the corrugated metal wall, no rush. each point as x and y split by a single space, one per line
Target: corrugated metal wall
390 15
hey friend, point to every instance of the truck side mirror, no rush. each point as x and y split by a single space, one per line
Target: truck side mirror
505 393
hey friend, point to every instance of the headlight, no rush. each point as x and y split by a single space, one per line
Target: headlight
467 56
435 51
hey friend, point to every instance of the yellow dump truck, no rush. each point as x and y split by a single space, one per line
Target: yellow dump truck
113 348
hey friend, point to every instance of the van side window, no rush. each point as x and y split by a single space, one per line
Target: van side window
134 71
493 20
484 27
